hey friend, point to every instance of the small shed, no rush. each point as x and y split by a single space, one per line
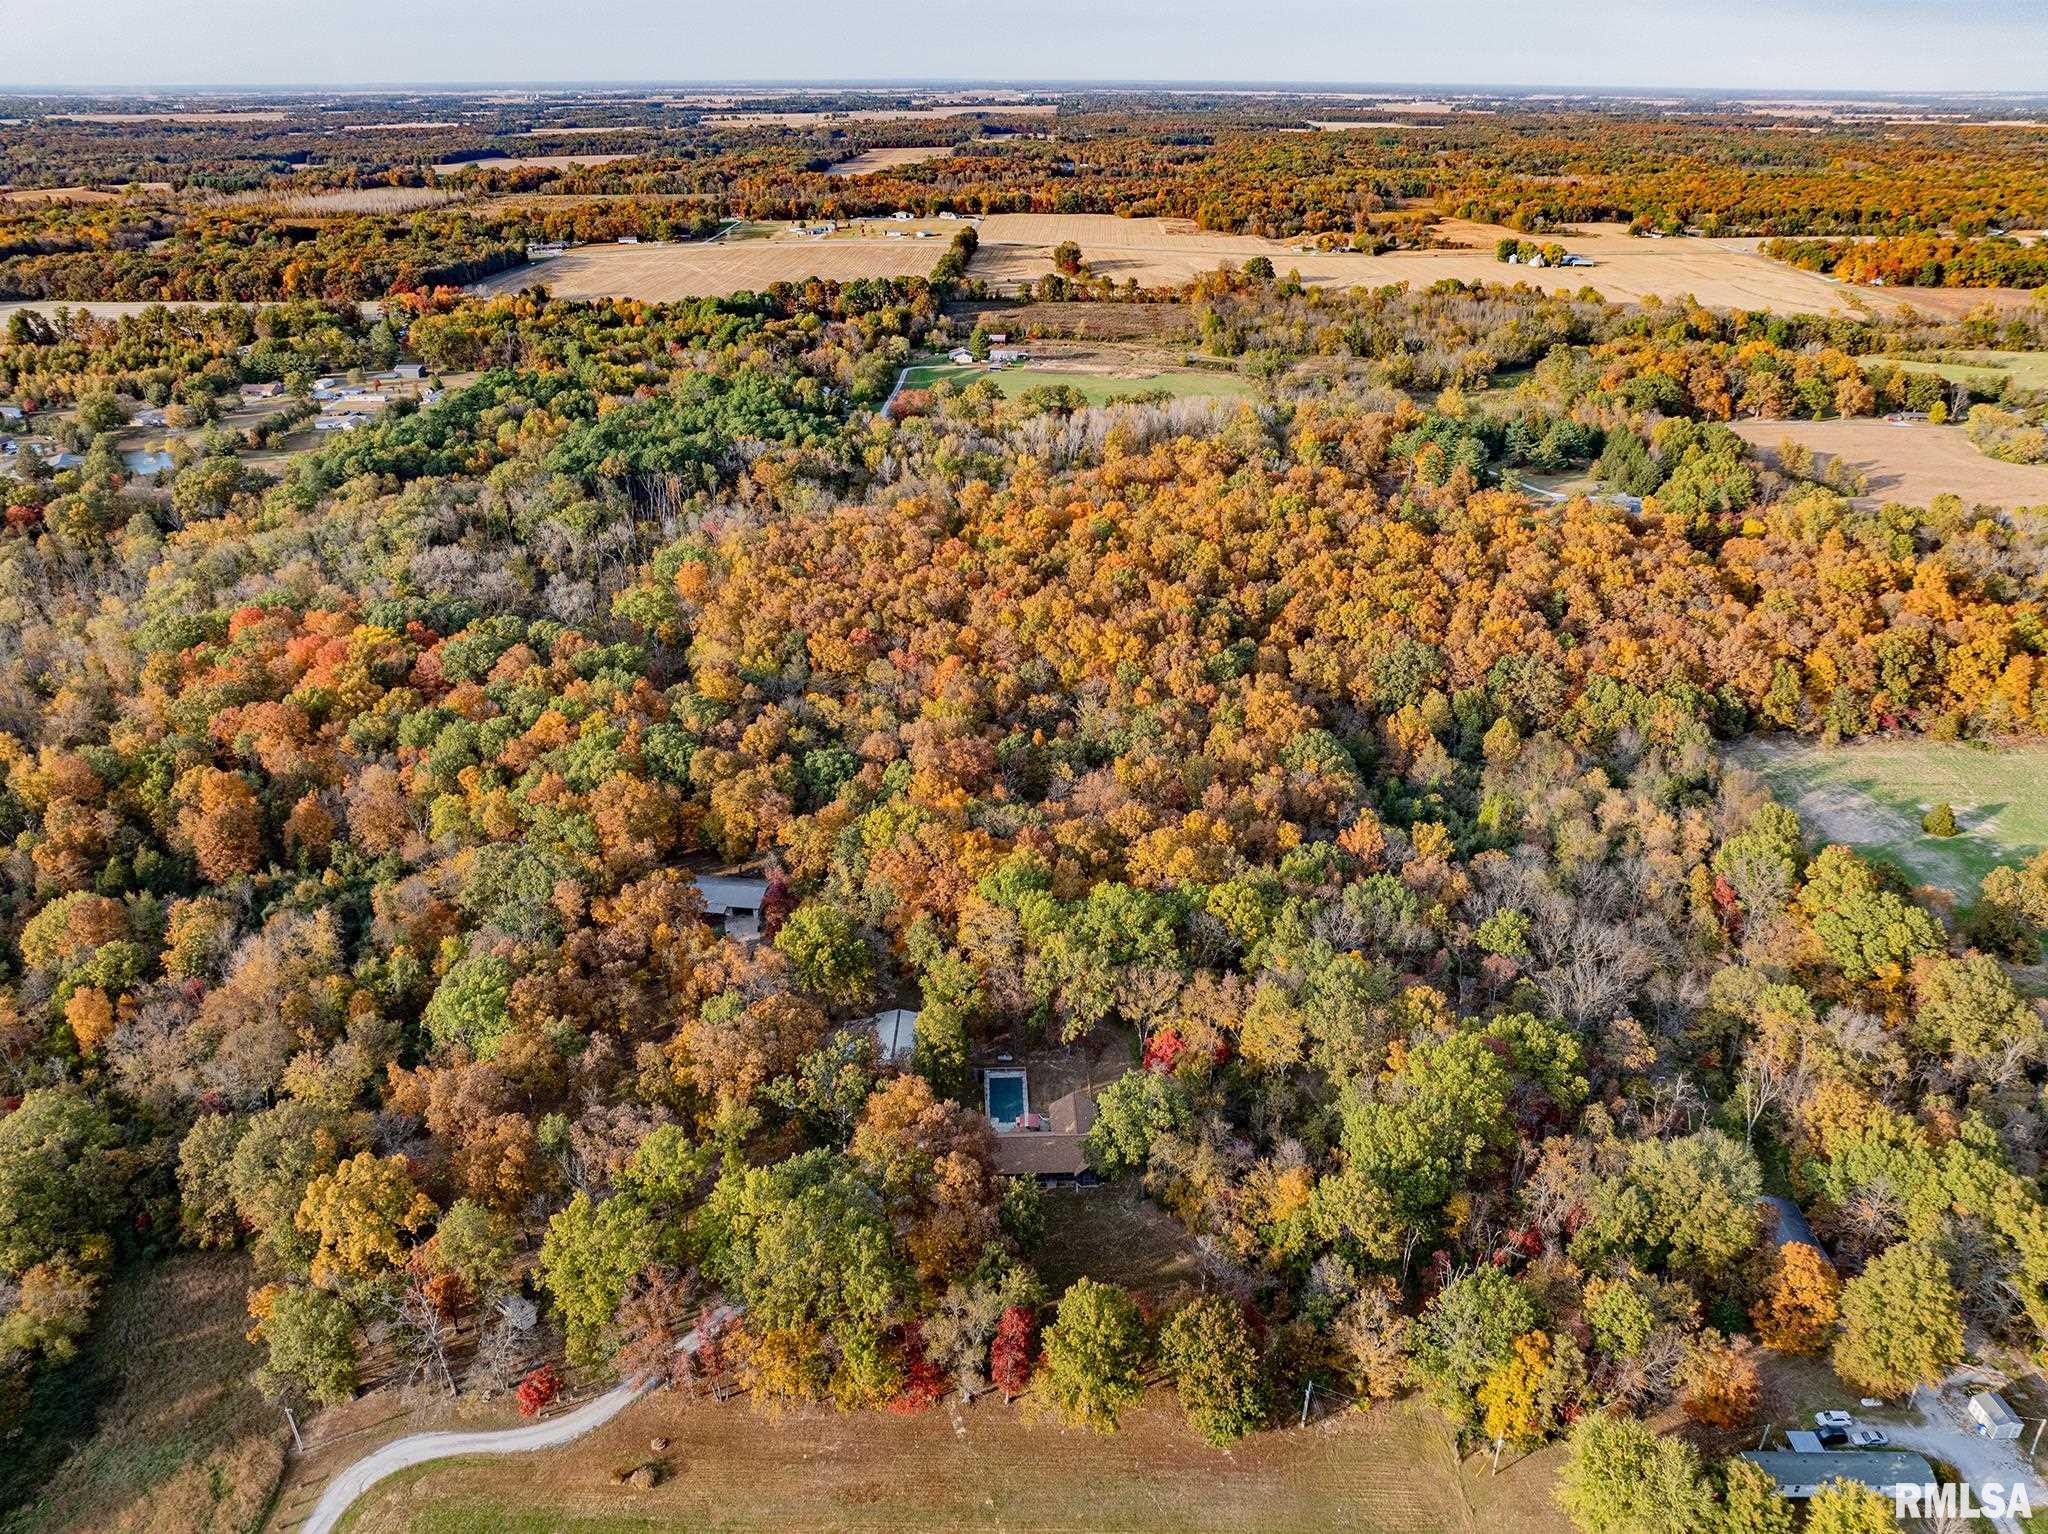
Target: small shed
1990 1417
413 370
10 413
1803 1441
895 1034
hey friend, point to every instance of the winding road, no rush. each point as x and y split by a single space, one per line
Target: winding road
421 1448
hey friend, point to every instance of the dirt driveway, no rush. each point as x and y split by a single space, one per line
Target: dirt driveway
1940 1432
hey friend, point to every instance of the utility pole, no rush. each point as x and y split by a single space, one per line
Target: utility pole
1307 1391
298 1443
2039 1423
1496 1455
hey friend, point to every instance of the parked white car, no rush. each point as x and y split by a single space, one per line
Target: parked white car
1867 1438
1833 1419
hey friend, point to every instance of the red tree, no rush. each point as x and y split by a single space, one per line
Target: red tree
1010 1359
537 1390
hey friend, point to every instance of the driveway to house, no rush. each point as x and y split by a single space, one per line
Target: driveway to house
421 1448
1940 1434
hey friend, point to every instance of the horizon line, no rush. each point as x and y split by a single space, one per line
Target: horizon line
1023 84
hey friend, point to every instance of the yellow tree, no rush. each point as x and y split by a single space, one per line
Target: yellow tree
1510 1395
359 1215
1800 1303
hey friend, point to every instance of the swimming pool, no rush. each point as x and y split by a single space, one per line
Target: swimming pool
1004 1097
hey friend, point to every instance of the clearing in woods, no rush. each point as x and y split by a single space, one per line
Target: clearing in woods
1984 369
982 1467
1098 388
1871 796
183 1444
872 160
1909 461
1016 248
662 273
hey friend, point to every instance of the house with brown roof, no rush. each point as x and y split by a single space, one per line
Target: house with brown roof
1051 1146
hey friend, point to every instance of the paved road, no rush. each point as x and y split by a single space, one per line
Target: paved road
404 1453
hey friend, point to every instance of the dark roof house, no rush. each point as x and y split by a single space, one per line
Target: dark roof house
1799 1476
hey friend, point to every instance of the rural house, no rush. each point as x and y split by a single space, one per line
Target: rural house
1049 1147
1800 1476
733 902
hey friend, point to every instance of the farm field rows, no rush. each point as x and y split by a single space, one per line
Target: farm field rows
1871 796
1912 462
662 273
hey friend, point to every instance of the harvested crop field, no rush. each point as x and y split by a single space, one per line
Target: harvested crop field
1017 248
866 164
663 273
1871 796
979 1467
58 194
528 162
369 199
1911 462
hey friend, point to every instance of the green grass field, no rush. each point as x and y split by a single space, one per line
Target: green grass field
1096 388
1983 369
1871 796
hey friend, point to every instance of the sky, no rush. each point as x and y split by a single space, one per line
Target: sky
1907 45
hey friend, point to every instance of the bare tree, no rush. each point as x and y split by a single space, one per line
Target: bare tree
422 1336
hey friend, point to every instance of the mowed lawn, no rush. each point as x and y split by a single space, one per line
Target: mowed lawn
1096 388
1871 795
982 1467
2027 370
